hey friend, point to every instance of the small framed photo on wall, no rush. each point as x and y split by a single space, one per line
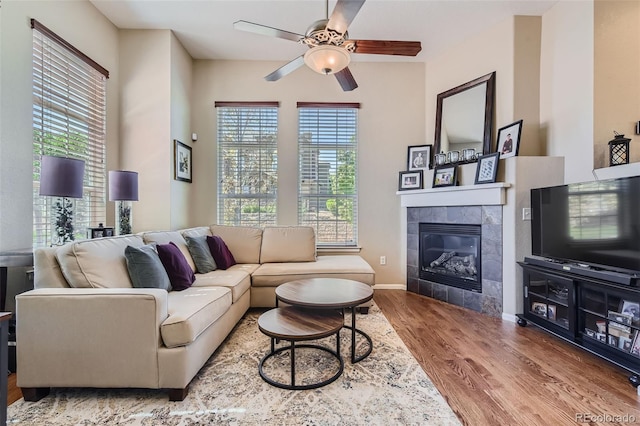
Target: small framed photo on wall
419 157
182 162
410 180
509 139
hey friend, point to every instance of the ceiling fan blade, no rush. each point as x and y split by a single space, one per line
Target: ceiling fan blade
388 47
343 14
346 80
287 68
264 30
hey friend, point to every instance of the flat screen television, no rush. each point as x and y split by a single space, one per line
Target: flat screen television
593 223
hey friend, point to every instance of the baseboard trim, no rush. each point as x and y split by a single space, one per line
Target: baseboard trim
509 317
389 287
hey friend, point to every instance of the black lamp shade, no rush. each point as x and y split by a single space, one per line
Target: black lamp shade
123 185
61 177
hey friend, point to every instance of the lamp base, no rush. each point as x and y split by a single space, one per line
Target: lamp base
63 231
124 217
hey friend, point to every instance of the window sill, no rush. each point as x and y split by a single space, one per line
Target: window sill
338 250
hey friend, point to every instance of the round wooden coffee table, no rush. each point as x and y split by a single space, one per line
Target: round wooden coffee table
329 293
295 324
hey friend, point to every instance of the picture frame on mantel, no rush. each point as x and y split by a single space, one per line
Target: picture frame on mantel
182 162
445 176
410 180
487 169
508 142
419 157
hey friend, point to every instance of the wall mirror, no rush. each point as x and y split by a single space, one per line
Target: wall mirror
464 116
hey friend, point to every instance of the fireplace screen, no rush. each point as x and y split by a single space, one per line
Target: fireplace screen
450 255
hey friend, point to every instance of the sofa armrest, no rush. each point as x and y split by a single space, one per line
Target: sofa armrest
89 337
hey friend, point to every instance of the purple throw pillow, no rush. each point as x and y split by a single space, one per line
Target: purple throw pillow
180 273
220 252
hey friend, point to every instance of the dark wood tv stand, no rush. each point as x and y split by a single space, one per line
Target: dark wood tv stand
601 316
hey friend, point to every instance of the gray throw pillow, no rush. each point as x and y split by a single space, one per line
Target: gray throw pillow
199 250
145 268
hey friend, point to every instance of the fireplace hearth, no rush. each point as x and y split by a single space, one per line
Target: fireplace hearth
450 254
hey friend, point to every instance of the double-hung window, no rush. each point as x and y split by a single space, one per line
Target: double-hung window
69 120
328 171
247 163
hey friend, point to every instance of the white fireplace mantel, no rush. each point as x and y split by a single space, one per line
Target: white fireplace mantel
466 195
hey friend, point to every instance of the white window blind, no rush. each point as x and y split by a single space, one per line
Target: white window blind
328 170
247 163
69 120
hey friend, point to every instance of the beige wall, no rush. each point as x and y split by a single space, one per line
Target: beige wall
390 119
16 153
145 135
566 87
616 76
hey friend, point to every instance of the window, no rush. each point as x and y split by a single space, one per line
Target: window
328 170
247 163
69 116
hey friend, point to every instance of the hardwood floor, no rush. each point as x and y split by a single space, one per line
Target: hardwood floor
494 372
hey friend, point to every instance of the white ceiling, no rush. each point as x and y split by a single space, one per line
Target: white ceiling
205 27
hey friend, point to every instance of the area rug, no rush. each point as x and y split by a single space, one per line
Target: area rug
388 387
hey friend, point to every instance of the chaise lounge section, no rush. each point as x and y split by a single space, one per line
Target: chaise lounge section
86 325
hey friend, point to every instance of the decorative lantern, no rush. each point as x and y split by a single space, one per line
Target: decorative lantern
619 150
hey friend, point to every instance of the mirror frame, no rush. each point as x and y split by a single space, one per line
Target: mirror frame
490 79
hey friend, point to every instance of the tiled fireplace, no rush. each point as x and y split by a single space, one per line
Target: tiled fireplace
479 225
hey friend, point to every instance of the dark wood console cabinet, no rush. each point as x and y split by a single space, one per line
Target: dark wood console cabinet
597 315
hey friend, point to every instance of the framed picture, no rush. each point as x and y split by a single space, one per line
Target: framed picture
487 168
100 232
182 163
410 180
445 176
635 346
551 312
419 157
509 139
539 309
630 308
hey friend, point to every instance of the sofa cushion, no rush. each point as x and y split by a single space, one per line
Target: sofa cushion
238 281
349 267
201 254
196 232
165 237
180 273
288 244
220 252
243 241
97 263
145 268
191 312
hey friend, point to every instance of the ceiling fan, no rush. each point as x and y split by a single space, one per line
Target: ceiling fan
329 45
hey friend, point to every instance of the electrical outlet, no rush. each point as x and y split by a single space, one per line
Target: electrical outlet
526 213
383 260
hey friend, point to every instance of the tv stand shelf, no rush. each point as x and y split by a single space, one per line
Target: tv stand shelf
600 316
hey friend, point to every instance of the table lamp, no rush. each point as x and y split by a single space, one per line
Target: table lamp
62 177
123 189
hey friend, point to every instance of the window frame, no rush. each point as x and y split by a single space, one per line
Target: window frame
267 151
344 202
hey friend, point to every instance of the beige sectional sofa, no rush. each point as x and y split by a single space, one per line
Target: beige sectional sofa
85 325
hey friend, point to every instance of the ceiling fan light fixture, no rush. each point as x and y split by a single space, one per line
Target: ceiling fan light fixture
327 59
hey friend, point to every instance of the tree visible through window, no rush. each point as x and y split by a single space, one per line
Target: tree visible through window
247 163
69 120
328 170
